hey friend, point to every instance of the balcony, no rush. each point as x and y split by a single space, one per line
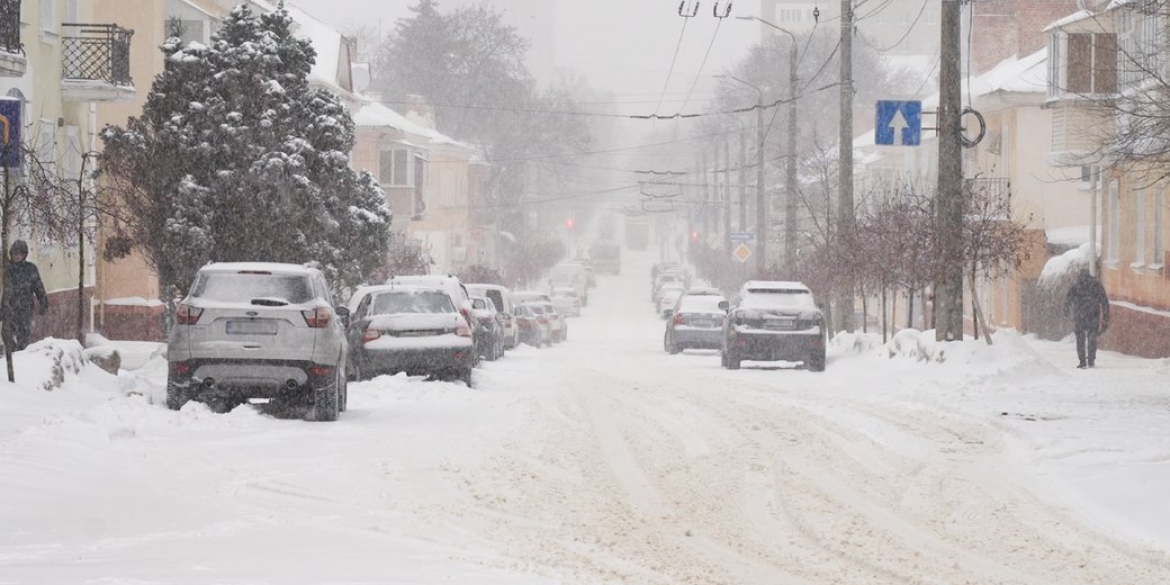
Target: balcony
12 60
96 63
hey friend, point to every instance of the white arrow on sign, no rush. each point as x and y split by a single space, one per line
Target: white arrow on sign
898 123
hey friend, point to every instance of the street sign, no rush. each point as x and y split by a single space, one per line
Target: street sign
898 123
10 132
743 252
741 236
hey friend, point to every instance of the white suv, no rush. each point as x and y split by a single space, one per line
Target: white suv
259 330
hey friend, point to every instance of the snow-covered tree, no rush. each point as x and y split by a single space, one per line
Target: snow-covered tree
236 157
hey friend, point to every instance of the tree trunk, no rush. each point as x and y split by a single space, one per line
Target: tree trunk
977 313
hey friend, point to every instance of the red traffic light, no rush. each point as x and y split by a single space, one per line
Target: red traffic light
569 223
695 236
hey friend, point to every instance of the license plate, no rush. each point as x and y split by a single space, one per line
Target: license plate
416 333
780 324
251 327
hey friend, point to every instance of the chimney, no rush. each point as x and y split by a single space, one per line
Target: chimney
420 112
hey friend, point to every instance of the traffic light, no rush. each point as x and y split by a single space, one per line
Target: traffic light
568 223
694 235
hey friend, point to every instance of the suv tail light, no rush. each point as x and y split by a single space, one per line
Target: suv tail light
679 319
318 317
370 335
180 369
188 315
487 320
319 371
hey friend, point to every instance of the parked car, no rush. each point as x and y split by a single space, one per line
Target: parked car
696 322
413 329
771 321
566 302
491 328
571 275
667 297
533 326
259 330
452 285
502 297
525 296
558 327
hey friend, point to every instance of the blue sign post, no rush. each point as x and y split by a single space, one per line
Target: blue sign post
898 123
10 133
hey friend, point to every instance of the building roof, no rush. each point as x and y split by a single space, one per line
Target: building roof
374 114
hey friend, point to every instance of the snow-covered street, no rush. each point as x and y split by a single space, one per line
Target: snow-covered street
606 460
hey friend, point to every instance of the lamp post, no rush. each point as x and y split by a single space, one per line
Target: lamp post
761 203
790 170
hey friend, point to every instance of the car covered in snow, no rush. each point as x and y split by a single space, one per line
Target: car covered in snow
259 330
418 330
695 322
491 328
774 321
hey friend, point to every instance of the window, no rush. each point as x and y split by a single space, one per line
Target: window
1139 232
394 167
49 16
1091 63
1140 37
1113 238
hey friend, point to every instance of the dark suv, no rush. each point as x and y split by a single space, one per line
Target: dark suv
259 330
772 321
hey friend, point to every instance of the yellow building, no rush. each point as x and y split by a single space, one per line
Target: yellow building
62 61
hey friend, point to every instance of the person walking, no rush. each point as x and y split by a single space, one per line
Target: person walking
1089 306
22 284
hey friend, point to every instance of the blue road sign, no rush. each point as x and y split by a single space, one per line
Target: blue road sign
741 236
898 123
10 132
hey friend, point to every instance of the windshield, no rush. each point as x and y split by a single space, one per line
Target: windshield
778 299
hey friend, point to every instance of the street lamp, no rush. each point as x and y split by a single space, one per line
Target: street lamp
761 203
790 180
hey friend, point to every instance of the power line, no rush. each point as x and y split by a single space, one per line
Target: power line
674 59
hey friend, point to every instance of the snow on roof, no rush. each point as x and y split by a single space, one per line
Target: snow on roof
1064 265
374 114
325 40
1074 17
279 267
1074 235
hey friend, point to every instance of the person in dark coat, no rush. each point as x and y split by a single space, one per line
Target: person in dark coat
1089 306
22 284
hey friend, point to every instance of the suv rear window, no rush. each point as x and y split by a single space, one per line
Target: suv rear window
241 287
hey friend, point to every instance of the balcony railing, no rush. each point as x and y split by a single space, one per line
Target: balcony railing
10 27
97 52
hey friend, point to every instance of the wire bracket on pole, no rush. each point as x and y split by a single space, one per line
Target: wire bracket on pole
683 14
726 13
967 142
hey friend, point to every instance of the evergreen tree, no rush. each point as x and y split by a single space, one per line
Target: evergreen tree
236 157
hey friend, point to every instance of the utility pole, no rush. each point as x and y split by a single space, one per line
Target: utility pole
761 202
948 290
845 219
726 200
790 181
743 226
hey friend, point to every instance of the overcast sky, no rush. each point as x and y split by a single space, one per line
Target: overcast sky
622 46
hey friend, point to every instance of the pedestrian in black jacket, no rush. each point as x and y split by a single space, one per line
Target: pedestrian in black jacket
1089 306
22 284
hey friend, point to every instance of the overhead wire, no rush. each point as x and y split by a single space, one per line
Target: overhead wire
673 60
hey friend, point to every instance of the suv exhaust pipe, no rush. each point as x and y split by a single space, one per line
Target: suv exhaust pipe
291 384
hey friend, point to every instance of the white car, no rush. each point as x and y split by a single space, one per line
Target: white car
566 302
259 330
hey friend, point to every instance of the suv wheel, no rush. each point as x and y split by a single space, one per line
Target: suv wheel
816 361
327 401
176 395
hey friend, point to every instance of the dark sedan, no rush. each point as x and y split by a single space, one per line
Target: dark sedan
416 330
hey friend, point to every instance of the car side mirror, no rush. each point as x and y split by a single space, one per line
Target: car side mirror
343 312
724 305
668 313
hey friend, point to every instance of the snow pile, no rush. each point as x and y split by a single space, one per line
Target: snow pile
1009 353
47 363
855 343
